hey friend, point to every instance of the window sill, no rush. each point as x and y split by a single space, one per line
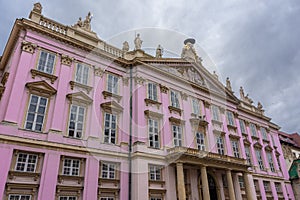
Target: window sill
86 87
110 94
35 73
150 101
108 180
157 182
255 137
12 174
231 127
198 122
217 122
174 109
78 179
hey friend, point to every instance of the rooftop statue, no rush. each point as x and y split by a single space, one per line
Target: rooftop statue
86 24
244 98
125 46
159 52
228 84
138 42
189 52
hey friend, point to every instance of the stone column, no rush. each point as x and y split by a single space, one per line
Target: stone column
204 181
230 185
180 181
249 193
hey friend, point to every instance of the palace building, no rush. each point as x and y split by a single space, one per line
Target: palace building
81 119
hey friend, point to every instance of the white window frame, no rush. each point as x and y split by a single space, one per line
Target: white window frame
241 181
152 91
248 154
156 198
153 133
260 161
235 148
107 198
196 107
110 128
82 73
46 64
112 84
264 133
253 129
267 186
67 197
230 118
177 135
270 160
242 126
220 144
215 113
19 196
27 164
200 141
73 170
108 170
78 121
155 172
174 99
36 113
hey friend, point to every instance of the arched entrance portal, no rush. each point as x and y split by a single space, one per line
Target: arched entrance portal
212 188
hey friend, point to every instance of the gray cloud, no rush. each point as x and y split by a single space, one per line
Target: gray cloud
256 43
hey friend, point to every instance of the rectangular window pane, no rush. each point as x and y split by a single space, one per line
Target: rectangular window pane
216 113
200 139
71 167
230 118
46 62
175 99
82 73
76 121
108 170
112 83
152 91
196 107
26 162
153 133
177 135
110 128
220 145
235 148
242 126
253 129
155 172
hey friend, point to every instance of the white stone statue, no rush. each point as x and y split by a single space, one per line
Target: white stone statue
138 42
125 46
87 21
159 51
228 84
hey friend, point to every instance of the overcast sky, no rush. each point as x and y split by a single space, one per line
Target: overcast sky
256 43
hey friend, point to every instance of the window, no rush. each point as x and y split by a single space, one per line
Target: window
256 185
278 161
196 107
200 139
224 180
82 73
26 162
107 198
177 135
175 99
110 128
153 133
270 160
220 145
235 148
259 159
248 155
242 126
267 186
155 198
264 133
216 113
67 198
71 167
108 170
152 91
112 83
36 113
278 187
155 173
253 129
19 197
230 118
241 182
76 121
46 62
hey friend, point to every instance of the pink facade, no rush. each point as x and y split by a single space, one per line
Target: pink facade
65 124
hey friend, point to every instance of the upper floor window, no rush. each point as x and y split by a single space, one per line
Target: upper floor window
278 187
242 126
67 198
230 118
152 91
175 99
82 73
110 128
215 113
107 198
46 62
267 186
19 197
270 160
235 148
36 113
253 129
259 159
76 121
108 170
26 162
177 135
155 173
200 139
241 182
264 133
220 145
156 198
153 133
112 84
248 155
256 185
196 107
71 167
278 162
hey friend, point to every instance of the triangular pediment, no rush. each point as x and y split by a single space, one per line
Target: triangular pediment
112 106
41 87
80 97
268 148
257 145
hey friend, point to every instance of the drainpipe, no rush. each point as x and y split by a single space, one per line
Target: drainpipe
130 139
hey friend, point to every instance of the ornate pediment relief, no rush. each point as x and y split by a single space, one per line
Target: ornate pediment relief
80 97
257 145
41 87
111 106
